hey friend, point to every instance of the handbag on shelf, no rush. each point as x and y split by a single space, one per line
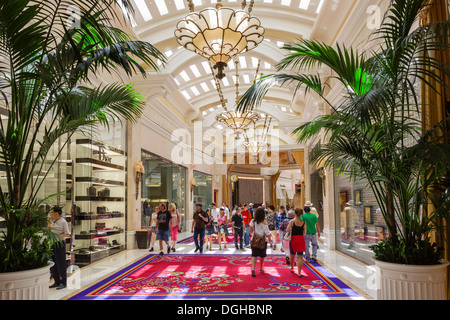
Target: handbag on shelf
105 192
91 191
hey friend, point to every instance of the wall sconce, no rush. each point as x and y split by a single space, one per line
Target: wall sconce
323 175
139 170
193 184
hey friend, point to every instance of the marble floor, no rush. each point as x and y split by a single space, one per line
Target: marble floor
356 274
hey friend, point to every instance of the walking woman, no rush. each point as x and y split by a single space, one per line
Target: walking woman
209 230
222 225
259 231
153 226
271 219
176 224
297 243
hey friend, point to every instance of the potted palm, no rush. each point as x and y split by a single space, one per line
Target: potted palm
48 52
375 133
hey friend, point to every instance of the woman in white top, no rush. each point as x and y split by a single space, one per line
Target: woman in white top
259 231
153 225
176 223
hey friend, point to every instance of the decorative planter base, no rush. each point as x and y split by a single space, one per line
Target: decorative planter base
411 282
25 285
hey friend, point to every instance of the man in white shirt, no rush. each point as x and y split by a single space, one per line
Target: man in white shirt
58 225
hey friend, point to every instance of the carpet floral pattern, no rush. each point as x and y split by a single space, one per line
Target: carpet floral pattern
177 276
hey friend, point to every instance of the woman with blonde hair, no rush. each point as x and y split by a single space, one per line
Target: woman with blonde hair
176 224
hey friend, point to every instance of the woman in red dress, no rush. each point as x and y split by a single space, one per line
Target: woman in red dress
297 243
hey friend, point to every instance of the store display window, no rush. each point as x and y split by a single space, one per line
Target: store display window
162 182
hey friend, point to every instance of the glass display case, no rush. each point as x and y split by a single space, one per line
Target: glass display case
99 194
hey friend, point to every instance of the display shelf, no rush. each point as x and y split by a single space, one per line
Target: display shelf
89 198
97 216
100 179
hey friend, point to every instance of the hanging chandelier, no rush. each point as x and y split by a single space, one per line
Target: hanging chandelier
220 33
238 121
258 143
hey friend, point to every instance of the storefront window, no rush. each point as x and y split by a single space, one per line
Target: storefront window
203 189
163 182
359 223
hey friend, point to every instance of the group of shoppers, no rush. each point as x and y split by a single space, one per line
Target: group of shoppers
165 224
301 224
262 226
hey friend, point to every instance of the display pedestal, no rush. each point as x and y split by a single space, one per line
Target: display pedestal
143 238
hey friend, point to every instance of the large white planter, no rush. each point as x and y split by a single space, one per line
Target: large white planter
25 285
411 282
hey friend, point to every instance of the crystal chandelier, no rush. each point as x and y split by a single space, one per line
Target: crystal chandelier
220 33
258 143
238 121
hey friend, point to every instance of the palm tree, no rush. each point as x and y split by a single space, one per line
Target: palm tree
376 132
49 50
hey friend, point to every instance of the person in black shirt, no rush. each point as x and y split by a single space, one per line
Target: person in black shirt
238 228
163 225
198 227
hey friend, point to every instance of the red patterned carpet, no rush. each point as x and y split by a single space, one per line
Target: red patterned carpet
215 276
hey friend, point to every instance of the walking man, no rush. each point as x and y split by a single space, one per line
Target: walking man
313 230
198 227
163 227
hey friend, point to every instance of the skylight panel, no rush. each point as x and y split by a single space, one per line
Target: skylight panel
320 6
168 53
179 4
285 2
195 70
143 9
204 86
280 43
186 95
225 82
184 75
242 62
162 8
246 78
268 1
176 81
195 91
255 62
267 65
304 4
213 83
197 3
206 66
